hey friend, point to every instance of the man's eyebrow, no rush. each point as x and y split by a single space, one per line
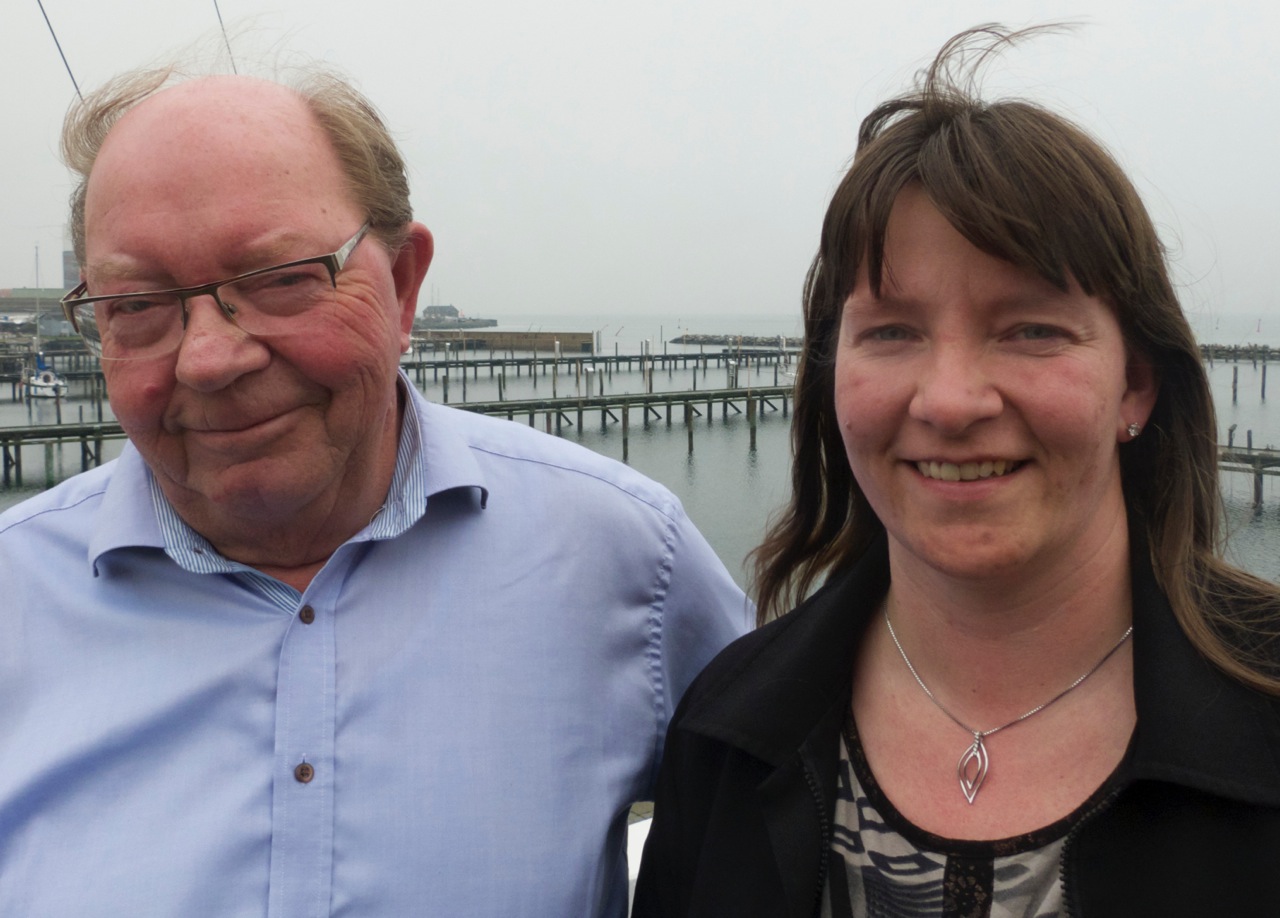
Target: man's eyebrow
117 269
276 249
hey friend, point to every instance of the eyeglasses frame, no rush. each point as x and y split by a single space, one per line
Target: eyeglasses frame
334 262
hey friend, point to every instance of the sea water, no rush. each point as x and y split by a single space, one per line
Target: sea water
729 487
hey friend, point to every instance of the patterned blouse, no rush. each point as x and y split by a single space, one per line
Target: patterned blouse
882 866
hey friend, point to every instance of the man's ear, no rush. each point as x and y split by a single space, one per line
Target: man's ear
408 268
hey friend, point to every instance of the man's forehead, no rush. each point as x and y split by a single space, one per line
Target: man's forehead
237 156
237 97
223 127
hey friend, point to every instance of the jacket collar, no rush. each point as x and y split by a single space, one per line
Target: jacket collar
797 667
1196 726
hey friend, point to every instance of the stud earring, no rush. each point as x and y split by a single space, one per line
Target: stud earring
1134 429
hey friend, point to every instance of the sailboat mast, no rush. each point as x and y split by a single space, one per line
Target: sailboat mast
37 301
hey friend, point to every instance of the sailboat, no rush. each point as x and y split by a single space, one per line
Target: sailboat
40 380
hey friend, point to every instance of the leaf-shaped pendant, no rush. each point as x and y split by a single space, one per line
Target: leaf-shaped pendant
973 768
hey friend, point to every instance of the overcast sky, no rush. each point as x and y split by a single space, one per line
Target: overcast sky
677 155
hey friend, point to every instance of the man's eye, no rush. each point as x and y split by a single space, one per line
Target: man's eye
134 305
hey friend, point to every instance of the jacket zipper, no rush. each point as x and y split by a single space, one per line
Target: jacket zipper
824 850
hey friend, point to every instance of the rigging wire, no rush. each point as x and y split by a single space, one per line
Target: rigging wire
230 56
58 44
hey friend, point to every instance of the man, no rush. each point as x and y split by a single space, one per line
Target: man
313 646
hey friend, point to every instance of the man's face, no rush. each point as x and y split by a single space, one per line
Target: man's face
208 180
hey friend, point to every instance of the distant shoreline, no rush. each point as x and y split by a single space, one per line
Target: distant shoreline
739 340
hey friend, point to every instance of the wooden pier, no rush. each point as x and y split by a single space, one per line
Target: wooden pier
1256 462
451 366
89 436
552 415
581 373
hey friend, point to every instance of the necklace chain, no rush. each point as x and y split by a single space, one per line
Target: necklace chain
975 761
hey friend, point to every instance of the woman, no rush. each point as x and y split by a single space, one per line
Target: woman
1029 684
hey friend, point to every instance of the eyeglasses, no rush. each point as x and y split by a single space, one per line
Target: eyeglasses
129 326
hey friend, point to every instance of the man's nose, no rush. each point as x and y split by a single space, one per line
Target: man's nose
214 351
955 388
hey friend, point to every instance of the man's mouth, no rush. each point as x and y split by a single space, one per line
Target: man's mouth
967 471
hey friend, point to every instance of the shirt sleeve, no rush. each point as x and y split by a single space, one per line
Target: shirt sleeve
702 611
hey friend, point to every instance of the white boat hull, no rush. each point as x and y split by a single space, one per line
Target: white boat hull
45 384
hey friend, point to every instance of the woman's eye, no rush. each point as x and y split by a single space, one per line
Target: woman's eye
1038 333
888 333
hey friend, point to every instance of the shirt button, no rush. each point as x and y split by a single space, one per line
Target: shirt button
307 614
304 773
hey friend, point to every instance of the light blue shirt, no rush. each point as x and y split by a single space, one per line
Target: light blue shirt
481 692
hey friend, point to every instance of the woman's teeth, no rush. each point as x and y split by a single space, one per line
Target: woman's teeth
966 471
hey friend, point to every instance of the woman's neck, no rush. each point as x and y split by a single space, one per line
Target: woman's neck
1003 644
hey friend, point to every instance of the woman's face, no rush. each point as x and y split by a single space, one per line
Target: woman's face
981 407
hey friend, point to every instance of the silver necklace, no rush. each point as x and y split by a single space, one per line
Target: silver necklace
974 763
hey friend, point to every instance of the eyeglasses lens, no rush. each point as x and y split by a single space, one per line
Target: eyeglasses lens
150 325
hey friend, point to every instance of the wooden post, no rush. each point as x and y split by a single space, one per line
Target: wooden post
751 420
446 388
626 426
1235 382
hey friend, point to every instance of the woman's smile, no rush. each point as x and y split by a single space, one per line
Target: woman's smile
967 471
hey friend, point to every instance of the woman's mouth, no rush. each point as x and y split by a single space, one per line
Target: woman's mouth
967 471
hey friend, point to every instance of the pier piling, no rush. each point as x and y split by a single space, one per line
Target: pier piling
626 429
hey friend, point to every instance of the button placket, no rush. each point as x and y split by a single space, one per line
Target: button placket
302 810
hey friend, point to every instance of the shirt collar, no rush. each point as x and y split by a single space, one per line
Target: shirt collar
432 456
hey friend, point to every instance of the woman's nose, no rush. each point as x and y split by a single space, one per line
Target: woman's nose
955 389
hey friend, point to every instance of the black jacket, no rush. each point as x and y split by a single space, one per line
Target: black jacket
746 794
